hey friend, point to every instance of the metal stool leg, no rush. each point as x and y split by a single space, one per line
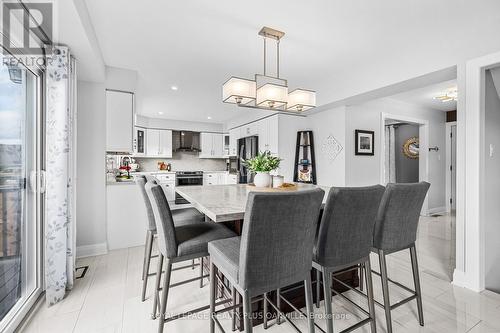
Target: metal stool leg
361 280
416 280
157 286
247 312
369 291
201 272
309 303
164 295
327 281
385 289
147 262
212 296
318 288
235 301
278 305
266 310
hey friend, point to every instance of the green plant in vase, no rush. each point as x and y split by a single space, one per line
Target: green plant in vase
262 164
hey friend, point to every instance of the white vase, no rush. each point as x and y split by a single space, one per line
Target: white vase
262 179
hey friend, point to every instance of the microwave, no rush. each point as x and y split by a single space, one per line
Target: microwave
140 141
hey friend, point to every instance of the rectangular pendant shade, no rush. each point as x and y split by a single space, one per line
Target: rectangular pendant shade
272 96
301 100
238 91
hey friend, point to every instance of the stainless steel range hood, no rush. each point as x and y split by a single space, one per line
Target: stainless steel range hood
186 141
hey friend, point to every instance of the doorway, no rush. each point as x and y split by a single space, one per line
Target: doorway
402 151
20 191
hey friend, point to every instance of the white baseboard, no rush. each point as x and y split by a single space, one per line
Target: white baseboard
436 210
91 250
458 278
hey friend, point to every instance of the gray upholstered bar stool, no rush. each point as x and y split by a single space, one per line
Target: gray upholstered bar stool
274 251
178 243
344 241
180 216
396 230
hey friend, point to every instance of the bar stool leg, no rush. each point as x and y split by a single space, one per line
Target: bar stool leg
157 286
416 280
266 309
233 317
361 268
247 312
278 305
385 289
309 303
164 296
327 280
213 270
201 272
318 288
369 291
147 262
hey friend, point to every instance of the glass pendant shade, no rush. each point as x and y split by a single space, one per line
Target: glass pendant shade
272 96
238 91
301 100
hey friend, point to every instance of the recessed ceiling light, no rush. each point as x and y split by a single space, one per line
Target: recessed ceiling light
209 117
160 113
175 88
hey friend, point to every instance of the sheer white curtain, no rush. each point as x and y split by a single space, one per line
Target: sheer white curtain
390 154
60 164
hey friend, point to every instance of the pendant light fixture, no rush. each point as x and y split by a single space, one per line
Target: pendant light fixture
266 91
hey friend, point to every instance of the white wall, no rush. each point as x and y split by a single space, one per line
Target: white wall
492 186
331 122
121 79
90 182
365 170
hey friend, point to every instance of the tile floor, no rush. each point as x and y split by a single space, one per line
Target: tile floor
108 298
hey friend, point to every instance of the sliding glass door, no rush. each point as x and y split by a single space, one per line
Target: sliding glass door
20 191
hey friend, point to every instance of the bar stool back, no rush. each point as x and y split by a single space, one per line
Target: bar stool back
274 250
396 230
344 240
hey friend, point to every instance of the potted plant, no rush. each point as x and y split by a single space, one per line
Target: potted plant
262 164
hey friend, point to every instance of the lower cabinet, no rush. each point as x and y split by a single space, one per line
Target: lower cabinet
219 178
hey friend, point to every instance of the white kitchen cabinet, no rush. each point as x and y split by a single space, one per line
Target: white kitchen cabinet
212 145
211 178
159 143
268 134
119 121
167 182
249 130
234 135
231 178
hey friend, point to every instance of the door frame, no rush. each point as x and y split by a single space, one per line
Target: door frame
423 165
448 163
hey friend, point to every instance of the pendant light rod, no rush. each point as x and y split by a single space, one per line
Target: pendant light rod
265 56
278 58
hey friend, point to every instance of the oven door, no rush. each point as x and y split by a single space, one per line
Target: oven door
186 181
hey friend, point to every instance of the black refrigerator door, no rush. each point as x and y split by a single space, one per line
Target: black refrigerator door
247 148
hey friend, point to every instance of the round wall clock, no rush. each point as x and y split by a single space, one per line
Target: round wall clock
411 148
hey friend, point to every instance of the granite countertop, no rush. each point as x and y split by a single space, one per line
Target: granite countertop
223 203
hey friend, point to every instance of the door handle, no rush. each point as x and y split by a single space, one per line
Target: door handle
43 181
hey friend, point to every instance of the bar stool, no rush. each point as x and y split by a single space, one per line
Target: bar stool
178 243
396 230
274 251
344 241
180 216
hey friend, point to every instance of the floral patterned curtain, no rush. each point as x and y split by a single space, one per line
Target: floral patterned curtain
60 165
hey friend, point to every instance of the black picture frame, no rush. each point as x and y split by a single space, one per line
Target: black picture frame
370 136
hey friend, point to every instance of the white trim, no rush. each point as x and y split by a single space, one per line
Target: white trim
91 250
423 167
448 163
436 210
474 170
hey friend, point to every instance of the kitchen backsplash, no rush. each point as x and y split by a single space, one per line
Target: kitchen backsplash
183 161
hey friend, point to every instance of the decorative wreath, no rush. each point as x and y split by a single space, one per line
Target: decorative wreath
411 148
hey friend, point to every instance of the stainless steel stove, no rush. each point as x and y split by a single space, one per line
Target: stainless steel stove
187 178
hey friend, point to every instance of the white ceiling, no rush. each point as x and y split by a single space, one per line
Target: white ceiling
338 48
425 96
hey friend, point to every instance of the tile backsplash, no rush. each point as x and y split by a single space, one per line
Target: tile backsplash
183 161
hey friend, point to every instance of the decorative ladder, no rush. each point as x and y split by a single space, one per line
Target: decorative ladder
305 167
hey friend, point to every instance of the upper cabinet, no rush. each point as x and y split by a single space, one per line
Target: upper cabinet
268 134
119 121
234 135
212 145
159 143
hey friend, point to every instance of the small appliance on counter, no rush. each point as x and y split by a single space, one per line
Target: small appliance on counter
162 166
119 168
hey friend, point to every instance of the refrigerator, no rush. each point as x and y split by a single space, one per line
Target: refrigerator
247 148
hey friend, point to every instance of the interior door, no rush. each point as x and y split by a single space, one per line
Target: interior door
20 192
